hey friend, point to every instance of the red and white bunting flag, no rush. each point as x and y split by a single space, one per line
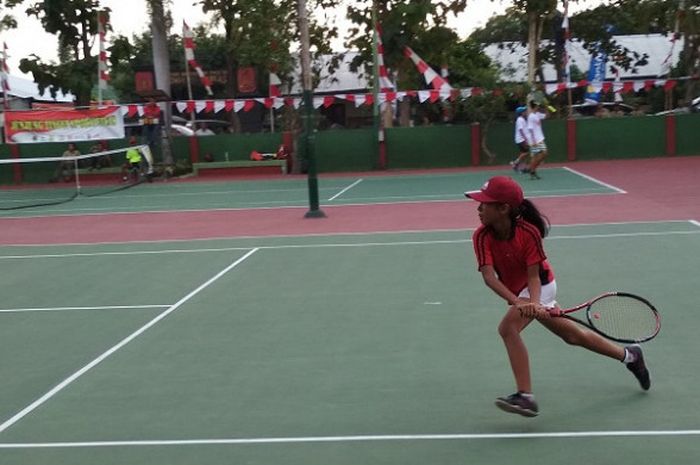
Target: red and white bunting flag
4 72
188 41
567 42
275 83
618 97
668 61
444 71
431 77
385 83
102 69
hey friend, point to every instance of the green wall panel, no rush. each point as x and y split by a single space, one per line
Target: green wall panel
625 137
428 146
688 134
238 146
344 150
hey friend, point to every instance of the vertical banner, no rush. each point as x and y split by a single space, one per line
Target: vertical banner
596 75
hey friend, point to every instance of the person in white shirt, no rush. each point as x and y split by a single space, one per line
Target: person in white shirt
538 147
521 139
203 130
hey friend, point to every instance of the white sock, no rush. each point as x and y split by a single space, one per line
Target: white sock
527 395
629 357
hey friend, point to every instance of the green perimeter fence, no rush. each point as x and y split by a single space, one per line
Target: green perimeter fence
439 146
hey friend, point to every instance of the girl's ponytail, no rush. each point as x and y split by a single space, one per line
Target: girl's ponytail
529 212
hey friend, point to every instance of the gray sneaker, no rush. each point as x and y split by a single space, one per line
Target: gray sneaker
517 403
638 367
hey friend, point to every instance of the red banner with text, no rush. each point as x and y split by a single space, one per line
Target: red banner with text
23 127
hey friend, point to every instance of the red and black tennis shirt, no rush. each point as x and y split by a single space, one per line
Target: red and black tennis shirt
510 258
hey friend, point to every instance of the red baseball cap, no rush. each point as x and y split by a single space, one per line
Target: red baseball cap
499 189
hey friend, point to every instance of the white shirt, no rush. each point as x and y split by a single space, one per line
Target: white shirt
534 124
521 129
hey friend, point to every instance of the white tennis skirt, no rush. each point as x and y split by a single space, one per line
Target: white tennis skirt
548 295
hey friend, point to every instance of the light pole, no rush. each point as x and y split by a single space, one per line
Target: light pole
307 115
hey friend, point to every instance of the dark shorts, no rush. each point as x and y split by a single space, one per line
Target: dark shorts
523 147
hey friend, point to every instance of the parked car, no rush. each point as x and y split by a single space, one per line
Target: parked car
694 107
590 108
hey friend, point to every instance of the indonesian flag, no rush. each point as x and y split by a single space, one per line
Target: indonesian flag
103 74
385 84
4 72
275 83
431 77
567 42
668 61
188 41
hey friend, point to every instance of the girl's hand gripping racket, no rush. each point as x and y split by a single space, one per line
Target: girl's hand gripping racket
618 316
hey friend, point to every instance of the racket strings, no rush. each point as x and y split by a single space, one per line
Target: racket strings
624 318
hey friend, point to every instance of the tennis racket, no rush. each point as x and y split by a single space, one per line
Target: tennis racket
540 98
618 316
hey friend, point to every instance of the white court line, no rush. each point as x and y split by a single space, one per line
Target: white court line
421 199
346 189
338 244
60 386
696 223
139 252
597 181
61 309
341 439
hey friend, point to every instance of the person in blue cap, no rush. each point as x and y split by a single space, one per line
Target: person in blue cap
521 140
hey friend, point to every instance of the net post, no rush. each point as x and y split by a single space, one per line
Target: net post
76 170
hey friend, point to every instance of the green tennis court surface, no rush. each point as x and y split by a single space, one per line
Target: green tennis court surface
179 196
340 349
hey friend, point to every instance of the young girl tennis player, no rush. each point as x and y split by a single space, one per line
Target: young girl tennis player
512 262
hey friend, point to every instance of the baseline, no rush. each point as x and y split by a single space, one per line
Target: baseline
348 439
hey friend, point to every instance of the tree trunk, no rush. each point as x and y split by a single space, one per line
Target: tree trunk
532 45
161 66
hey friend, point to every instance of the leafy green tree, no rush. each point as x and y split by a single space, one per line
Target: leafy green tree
420 24
7 20
508 27
260 33
129 55
74 23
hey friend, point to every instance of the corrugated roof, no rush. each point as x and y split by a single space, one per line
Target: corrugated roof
656 46
26 88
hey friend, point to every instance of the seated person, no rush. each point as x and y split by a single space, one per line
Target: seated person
132 167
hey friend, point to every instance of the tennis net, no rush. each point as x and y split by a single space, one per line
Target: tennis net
45 181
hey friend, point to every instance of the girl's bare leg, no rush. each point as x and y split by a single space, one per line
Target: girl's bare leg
576 335
509 329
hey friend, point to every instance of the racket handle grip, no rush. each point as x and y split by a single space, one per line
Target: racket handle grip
555 311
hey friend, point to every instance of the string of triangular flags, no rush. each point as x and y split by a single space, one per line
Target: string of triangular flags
432 96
